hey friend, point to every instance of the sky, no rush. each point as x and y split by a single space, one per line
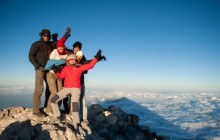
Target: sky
149 44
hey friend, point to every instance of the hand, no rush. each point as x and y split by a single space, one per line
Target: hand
41 68
55 35
67 34
98 55
68 29
103 58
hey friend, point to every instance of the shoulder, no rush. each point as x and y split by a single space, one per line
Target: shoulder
54 51
37 43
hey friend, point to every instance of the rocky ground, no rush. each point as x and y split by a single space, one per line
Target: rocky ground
112 123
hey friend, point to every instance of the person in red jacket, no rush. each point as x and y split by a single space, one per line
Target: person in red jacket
71 75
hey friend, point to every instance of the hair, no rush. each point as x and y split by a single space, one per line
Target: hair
77 44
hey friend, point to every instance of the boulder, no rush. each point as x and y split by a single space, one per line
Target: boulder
110 123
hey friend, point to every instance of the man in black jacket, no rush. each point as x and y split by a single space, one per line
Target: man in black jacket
38 56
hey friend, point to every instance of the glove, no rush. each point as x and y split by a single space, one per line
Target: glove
67 34
98 55
55 69
41 68
104 58
68 29
54 36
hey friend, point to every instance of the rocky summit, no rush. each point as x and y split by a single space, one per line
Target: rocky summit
112 123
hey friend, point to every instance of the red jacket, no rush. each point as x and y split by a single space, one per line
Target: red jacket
72 74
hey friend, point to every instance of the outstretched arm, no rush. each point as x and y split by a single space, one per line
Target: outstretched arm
93 62
88 66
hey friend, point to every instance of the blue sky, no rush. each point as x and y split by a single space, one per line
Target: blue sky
149 44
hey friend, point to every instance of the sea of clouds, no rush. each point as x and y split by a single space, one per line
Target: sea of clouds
177 114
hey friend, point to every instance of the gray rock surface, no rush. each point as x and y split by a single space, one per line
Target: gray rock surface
112 123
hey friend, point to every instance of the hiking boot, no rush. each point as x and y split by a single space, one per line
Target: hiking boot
85 121
40 115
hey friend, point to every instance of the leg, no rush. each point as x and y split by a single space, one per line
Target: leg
83 108
65 104
75 94
65 100
59 88
47 90
38 90
52 83
56 98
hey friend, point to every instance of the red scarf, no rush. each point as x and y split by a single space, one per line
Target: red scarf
61 53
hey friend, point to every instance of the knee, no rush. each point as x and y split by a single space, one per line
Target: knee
74 106
54 98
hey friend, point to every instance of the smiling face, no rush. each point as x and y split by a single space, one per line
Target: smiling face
76 49
72 61
60 49
46 37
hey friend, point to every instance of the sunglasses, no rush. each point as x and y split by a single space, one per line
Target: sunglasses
46 35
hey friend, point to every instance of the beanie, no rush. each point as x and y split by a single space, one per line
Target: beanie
44 31
61 42
71 57
79 53
77 44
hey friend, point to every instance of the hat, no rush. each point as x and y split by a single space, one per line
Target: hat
77 44
61 42
71 57
79 53
44 31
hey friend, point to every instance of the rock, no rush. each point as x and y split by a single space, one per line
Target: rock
111 123
111 119
132 119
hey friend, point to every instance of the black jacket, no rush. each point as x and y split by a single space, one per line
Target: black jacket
40 53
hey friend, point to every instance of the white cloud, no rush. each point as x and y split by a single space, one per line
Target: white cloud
16 90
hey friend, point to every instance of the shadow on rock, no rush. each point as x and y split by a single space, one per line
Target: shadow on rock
113 123
127 125
24 131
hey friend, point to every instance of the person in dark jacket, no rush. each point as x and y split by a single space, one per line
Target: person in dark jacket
38 56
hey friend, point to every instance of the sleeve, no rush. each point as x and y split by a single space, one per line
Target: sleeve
66 35
61 75
86 62
53 54
88 66
32 55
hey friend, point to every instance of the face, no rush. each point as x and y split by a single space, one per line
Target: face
76 49
46 37
71 62
60 49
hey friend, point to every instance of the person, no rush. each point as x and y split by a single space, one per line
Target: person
71 75
77 46
38 55
54 83
80 60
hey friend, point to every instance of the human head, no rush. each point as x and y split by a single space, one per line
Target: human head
60 45
60 49
45 34
71 59
77 46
